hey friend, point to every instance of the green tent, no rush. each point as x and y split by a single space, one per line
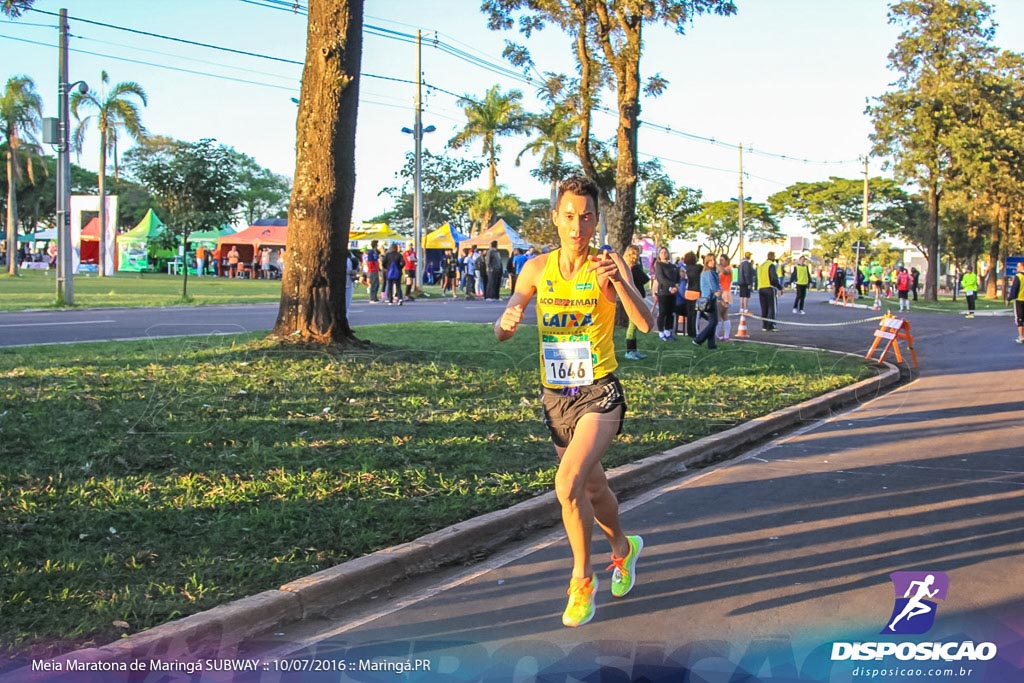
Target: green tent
133 246
208 238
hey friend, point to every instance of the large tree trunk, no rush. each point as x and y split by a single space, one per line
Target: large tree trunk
102 262
621 228
931 292
12 215
313 288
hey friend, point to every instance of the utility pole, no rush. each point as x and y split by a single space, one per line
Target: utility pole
864 213
417 208
741 198
65 278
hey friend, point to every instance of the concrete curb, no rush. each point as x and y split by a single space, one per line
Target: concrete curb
227 625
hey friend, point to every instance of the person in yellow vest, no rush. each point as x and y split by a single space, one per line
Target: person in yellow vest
577 288
876 281
802 278
1016 295
768 287
969 285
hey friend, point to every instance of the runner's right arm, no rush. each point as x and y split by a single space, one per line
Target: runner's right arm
526 287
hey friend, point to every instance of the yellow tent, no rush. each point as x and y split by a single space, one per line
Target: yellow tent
445 237
373 231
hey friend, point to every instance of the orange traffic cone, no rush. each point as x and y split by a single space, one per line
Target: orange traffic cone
741 331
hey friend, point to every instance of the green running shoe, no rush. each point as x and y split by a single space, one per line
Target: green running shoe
581 606
624 576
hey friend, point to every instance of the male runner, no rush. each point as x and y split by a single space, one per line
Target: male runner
577 288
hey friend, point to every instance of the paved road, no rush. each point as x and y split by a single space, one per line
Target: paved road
753 569
115 324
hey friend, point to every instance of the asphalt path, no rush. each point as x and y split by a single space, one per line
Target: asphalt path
753 569
46 326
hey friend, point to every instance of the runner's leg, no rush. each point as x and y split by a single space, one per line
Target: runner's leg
594 433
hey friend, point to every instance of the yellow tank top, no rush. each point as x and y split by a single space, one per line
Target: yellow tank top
575 322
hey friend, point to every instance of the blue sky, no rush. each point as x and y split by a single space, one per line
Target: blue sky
785 77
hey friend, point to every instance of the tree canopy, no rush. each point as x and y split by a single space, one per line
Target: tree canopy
196 184
939 59
496 115
837 203
607 43
717 224
20 119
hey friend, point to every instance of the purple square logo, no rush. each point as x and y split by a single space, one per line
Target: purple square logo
915 604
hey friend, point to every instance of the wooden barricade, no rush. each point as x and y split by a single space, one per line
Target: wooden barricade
893 330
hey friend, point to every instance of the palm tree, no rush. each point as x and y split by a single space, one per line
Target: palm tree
20 116
557 131
114 113
497 114
489 203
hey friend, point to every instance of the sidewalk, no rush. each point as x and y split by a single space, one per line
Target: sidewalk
754 566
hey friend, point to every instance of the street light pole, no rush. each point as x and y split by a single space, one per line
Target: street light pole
417 132
417 207
741 200
65 276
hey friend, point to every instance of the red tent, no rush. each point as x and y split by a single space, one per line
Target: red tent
252 238
89 250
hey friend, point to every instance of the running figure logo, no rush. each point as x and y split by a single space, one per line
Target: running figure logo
914 611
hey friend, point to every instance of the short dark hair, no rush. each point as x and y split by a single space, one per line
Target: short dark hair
579 185
494 244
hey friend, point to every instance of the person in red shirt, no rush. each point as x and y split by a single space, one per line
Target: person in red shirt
410 270
903 288
372 261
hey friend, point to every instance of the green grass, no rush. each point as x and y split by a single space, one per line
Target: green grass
945 304
36 289
141 482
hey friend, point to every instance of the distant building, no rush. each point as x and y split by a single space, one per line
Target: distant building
798 245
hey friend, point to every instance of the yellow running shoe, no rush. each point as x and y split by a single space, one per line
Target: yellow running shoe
624 576
581 607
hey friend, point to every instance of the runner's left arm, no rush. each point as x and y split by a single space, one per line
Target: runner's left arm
612 270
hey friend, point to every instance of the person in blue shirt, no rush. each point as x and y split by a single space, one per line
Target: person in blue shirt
711 290
519 259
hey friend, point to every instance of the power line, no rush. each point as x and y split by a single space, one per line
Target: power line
153 64
295 7
177 40
202 73
182 57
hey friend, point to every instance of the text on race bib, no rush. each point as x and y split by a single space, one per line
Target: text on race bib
568 363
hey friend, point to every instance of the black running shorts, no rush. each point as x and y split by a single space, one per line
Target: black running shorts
744 291
563 408
1018 307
